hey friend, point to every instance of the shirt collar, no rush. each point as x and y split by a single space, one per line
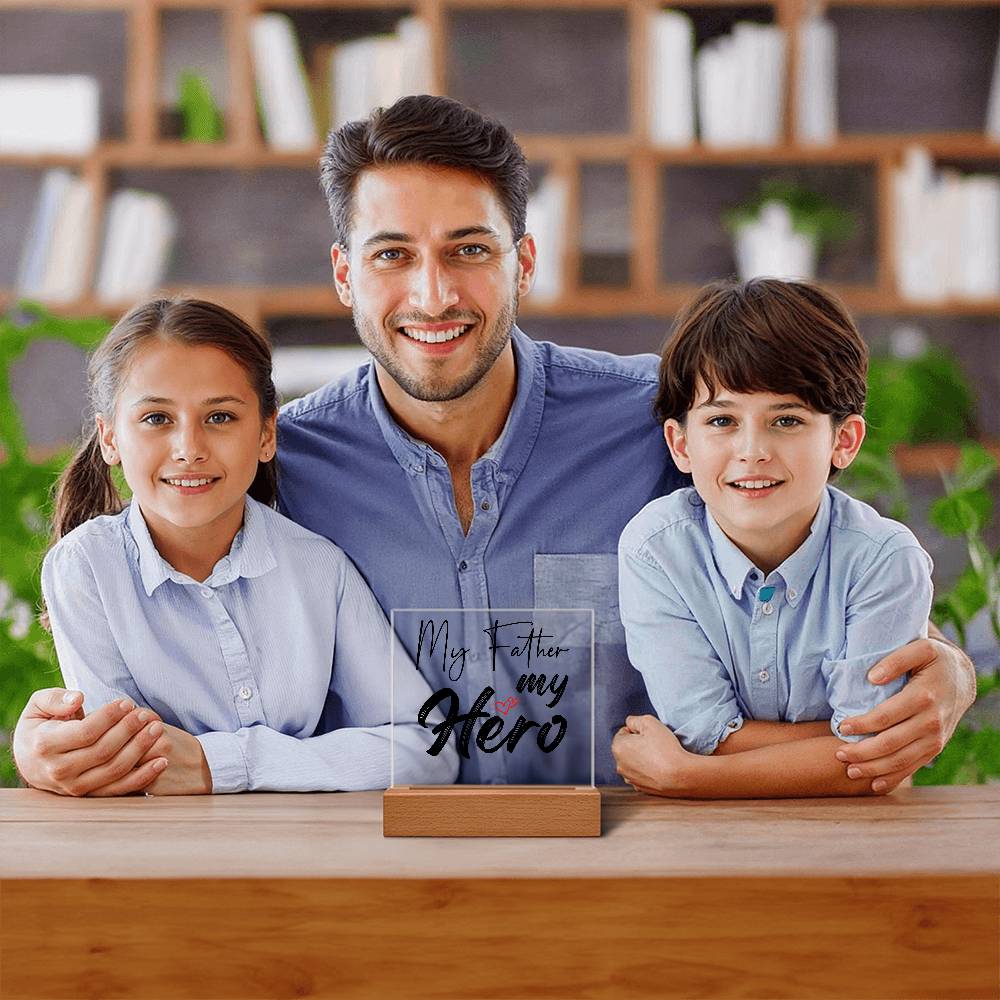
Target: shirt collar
797 570
250 554
732 563
511 449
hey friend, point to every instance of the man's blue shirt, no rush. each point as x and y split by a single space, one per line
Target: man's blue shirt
579 455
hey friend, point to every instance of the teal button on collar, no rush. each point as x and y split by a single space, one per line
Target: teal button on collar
765 593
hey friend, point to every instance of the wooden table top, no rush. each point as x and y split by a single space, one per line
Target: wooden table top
918 831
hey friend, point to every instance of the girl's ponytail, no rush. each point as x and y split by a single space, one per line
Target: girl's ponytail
84 490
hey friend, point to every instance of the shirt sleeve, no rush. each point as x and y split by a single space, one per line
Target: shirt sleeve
371 742
89 657
687 682
887 607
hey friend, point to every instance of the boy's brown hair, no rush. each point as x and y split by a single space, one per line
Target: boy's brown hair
765 335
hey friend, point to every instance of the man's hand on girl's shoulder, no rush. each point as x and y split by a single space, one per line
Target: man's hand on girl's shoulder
57 749
914 725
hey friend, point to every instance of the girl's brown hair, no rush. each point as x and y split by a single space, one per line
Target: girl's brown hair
86 489
765 335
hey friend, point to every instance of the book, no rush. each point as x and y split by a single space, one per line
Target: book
138 237
993 108
283 94
49 114
671 79
67 268
816 83
37 247
546 221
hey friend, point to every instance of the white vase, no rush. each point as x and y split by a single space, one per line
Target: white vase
769 247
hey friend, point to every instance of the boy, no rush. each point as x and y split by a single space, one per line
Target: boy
755 603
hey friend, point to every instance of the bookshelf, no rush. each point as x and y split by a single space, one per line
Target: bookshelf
630 264
473 45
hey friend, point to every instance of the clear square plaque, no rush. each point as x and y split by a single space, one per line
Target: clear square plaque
509 694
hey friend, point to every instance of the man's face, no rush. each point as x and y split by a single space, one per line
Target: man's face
433 276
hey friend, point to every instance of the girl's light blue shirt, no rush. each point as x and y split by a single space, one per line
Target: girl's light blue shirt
715 647
247 660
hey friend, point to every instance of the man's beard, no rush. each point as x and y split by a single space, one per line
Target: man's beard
430 389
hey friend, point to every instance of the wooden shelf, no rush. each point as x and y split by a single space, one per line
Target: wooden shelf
933 459
245 149
169 154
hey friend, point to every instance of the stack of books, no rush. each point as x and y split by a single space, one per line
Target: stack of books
947 235
54 265
735 83
138 238
360 75
375 72
57 250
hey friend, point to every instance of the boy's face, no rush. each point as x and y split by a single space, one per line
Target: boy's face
760 462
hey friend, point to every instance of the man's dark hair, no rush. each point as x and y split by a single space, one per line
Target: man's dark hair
765 335
433 131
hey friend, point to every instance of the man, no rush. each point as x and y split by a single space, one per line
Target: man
469 466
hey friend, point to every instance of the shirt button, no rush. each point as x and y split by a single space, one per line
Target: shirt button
485 505
245 693
792 593
763 676
463 565
733 724
767 608
207 592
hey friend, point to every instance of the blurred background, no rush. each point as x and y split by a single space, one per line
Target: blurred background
172 145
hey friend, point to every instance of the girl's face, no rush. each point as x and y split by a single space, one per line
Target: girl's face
188 433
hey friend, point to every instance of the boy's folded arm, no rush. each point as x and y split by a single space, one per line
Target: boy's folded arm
797 768
757 733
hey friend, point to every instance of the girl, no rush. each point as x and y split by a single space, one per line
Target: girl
240 629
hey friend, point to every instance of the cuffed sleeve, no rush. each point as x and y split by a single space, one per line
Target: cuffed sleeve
888 606
228 766
687 683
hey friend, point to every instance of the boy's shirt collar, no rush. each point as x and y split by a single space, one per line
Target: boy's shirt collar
249 555
796 571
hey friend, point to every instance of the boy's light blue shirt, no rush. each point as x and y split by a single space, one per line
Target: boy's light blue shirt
246 660
714 652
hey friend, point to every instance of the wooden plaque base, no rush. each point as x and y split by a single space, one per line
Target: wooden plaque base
491 811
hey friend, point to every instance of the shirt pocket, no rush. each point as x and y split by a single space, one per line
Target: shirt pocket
583 580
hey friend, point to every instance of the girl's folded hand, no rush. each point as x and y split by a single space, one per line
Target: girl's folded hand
187 771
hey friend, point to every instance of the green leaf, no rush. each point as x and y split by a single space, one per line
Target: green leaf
976 467
957 514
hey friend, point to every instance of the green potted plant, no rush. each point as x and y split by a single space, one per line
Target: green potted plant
778 233
27 661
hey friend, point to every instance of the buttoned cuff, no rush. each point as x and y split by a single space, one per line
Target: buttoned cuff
705 738
734 725
226 762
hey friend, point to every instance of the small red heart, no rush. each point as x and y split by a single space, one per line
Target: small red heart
506 705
